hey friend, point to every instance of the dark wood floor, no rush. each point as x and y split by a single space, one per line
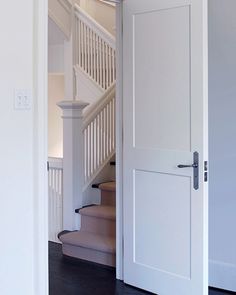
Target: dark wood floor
75 277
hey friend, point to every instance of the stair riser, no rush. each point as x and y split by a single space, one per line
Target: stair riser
89 255
108 198
98 225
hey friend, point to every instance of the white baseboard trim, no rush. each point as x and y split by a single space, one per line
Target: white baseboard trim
222 275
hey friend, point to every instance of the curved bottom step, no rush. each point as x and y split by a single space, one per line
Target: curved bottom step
89 255
90 247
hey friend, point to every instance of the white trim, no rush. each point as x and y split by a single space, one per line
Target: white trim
55 74
119 144
40 184
55 163
66 4
111 3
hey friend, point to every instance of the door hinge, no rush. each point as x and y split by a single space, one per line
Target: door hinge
206 171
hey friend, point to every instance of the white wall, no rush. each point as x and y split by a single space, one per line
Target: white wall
56 41
105 14
16 150
222 140
56 58
55 126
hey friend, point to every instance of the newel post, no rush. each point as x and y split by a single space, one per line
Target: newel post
73 163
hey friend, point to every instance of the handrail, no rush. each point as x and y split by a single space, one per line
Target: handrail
92 112
94 25
55 163
95 52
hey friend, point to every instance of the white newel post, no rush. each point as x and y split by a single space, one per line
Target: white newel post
73 162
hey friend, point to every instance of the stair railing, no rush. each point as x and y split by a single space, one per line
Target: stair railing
55 197
94 49
99 135
90 143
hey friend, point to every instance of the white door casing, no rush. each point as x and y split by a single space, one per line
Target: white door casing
165 122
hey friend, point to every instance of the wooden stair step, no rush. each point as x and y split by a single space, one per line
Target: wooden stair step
99 211
108 186
89 240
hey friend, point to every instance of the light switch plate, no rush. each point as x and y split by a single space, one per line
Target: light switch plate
22 99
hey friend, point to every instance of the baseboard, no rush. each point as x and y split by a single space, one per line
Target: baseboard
222 275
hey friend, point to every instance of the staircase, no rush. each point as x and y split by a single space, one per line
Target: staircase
96 239
94 68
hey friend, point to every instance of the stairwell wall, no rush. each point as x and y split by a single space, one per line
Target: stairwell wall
55 134
56 58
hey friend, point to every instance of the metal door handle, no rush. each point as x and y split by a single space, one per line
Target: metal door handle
195 170
195 165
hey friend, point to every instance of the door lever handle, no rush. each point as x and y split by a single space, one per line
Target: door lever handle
195 165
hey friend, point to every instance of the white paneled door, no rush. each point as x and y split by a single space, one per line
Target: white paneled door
165 128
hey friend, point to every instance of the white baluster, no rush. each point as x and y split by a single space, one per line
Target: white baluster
55 177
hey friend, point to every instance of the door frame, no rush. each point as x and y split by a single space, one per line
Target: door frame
119 143
40 111
40 146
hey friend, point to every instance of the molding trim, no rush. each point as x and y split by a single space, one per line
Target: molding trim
110 3
66 4
222 275
40 148
119 145
55 74
72 109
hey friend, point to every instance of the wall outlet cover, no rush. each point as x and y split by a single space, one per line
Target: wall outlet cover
23 99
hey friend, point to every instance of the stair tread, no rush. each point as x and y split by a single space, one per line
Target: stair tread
99 211
108 186
90 240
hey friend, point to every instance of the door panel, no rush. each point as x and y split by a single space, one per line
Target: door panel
171 217
165 56
165 122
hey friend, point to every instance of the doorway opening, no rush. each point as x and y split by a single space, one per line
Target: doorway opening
82 76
